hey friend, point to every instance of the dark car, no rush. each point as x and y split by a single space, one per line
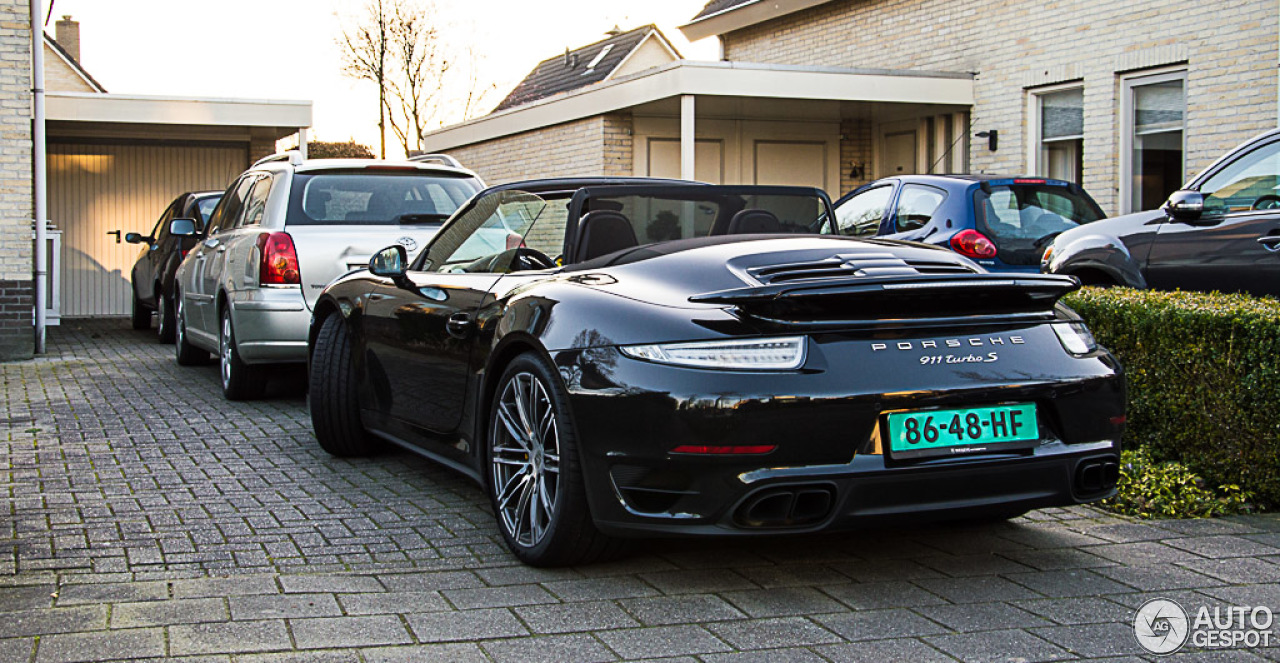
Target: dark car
1220 232
710 360
1002 223
152 275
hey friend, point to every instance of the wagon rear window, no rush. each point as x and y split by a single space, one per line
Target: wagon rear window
376 199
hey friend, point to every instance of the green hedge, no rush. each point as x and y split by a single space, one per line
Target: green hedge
1204 379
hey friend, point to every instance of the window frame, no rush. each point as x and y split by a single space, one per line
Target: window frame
1128 81
1035 138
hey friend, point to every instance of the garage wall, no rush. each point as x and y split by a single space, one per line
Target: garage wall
96 189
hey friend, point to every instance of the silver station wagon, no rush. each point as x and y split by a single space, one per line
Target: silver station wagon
285 229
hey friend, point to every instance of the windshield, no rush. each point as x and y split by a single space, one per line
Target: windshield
1021 218
685 212
376 197
498 223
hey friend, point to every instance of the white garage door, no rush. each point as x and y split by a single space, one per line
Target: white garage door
708 159
98 189
791 163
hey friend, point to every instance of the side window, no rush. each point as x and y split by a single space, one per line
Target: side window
255 206
916 206
860 215
1250 182
161 229
228 210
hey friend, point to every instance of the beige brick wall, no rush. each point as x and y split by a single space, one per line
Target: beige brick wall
572 149
16 338
58 75
855 150
1229 46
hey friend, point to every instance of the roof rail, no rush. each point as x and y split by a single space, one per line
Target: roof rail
440 159
294 158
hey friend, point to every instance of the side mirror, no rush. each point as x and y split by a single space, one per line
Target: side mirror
1185 205
184 228
390 262
136 238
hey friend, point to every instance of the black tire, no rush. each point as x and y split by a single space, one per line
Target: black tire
141 315
331 397
240 381
164 317
527 471
184 352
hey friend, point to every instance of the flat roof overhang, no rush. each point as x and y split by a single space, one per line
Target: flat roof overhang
137 116
743 15
714 79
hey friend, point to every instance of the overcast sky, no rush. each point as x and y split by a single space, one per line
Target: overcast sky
286 49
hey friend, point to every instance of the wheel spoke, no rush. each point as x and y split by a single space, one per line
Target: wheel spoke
551 463
522 512
511 486
513 429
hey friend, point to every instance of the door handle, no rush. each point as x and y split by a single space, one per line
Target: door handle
1271 242
459 325
222 248
116 233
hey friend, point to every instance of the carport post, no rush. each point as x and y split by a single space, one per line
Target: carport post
686 137
302 142
38 170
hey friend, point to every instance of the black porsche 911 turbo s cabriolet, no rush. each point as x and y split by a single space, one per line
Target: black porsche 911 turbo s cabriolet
622 357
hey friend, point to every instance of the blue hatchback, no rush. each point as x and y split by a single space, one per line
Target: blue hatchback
1002 223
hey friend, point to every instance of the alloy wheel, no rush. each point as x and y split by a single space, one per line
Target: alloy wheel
179 324
224 351
525 459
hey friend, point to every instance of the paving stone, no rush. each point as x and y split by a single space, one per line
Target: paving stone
302 657
662 641
234 586
973 565
698 581
331 584
579 648
53 620
1058 559
664 610
419 582
971 617
1143 553
367 631
466 625
1127 532
524 575
106 645
587 589
166 613
392 603
879 624
770 633
782 601
1090 610
975 590
117 592
887 570
1236 570
575 617
453 653
790 655
17 650
1073 582
283 606
793 576
879 651
998 646
1157 578
1093 640
1218 547
498 597
229 637
26 597
871 595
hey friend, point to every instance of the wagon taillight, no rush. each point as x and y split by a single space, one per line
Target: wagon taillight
279 264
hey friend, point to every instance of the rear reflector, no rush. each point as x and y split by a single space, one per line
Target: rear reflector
709 450
1117 421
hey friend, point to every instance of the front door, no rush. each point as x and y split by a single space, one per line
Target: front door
1220 251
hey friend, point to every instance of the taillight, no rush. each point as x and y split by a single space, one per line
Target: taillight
279 260
973 244
185 252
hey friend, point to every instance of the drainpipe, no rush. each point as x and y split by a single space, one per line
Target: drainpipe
38 170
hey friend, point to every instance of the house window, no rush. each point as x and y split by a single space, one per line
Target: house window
1152 161
1059 127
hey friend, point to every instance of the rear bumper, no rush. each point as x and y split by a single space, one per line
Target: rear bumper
271 325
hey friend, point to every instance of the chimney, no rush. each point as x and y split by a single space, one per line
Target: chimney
68 36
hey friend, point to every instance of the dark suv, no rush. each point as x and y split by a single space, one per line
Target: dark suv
1002 223
1220 232
152 275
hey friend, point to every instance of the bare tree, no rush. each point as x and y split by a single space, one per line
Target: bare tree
424 80
364 57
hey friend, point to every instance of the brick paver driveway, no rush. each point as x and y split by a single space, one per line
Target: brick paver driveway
141 516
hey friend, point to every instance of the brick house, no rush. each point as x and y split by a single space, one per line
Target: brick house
1127 97
113 162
